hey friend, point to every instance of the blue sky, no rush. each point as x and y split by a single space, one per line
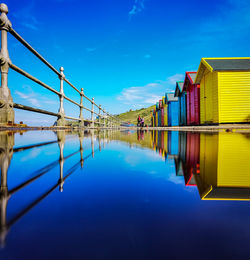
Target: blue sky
125 53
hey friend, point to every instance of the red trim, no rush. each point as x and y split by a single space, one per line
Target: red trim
189 78
187 184
191 72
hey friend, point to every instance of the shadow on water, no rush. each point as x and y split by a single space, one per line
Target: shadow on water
217 164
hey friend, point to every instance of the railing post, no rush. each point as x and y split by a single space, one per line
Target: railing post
104 137
6 101
92 114
104 122
81 137
81 108
99 141
110 118
92 143
61 119
6 147
99 115
61 142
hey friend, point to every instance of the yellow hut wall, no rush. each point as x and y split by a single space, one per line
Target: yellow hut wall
225 97
234 97
209 108
156 118
165 115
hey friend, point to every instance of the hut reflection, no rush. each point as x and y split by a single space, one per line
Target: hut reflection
224 167
217 163
191 164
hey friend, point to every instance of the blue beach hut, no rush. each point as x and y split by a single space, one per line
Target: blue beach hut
182 102
158 114
173 109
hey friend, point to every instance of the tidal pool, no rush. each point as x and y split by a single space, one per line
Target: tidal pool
124 195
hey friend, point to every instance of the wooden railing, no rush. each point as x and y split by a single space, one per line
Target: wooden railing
6 102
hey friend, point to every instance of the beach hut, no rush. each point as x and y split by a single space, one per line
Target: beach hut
173 109
224 167
165 111
224 90
159 113
162 112
182 102
192 98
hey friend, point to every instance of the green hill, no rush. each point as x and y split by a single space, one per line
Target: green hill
132 115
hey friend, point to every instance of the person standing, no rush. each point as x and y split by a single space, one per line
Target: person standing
142 122
139 121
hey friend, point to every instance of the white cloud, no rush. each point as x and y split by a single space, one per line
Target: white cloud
29 97
32 98
138 6
149 94
177 77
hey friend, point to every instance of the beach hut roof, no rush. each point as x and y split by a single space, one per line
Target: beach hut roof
222 64
189 77
171 97
178 89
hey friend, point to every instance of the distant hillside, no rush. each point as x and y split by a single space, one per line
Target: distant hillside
132 115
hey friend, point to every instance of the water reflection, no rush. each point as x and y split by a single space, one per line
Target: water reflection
224 167
217 164
6 153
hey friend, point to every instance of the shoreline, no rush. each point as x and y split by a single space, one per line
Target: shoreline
206 128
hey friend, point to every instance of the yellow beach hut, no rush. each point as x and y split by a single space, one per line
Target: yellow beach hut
224 166
224 90
165 111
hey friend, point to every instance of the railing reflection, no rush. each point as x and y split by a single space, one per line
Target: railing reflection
218 164
6 153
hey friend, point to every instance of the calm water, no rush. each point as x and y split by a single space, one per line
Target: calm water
124 195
